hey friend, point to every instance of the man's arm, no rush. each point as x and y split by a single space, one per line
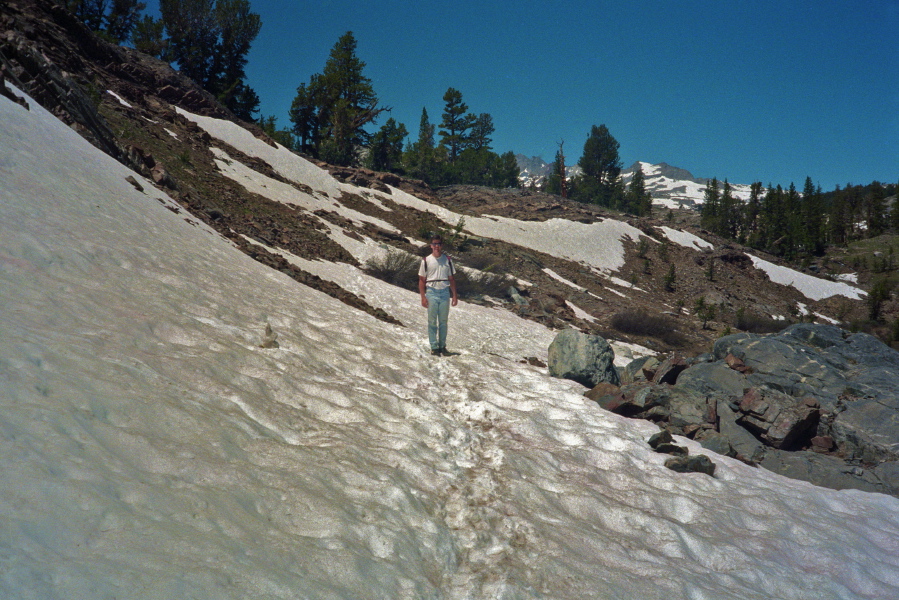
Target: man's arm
421 290
452 282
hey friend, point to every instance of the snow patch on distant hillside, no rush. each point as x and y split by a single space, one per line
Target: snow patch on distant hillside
811 287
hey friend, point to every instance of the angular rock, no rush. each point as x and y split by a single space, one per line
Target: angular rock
779 420
670 448
670 369
823 470
602 390
716 442
692 464
587 359
662 437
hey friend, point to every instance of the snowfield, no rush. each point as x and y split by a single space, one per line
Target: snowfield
151 449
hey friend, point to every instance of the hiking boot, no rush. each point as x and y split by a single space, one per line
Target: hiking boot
443 352
436 352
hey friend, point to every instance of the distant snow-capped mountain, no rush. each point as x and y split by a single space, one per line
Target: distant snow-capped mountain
674 187
670 186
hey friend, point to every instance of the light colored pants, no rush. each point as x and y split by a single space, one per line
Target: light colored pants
438 314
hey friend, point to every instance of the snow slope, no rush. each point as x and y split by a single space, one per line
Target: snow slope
151 449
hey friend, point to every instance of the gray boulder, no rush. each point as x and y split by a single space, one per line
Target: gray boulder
587 359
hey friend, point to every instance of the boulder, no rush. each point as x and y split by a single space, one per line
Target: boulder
691 464
716 442
781 421
670 369
823 470
639 369
587 359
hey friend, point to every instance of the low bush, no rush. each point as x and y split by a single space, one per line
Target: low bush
639 322
752 323
396 267
470 284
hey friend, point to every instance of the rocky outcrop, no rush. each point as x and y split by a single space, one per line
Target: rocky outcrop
587 359
812 402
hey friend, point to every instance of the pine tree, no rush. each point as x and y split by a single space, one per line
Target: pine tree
710 217
209 40
420 158
731 213
122 19
331 111
875 210
556 180
481 130
600 167
386 151
749 233
455 124
837 218
637 200
149 36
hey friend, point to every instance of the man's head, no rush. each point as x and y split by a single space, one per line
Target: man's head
436 245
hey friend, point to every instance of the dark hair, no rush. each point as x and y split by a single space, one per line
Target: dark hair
436 238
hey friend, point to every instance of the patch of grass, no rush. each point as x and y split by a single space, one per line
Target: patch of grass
640 322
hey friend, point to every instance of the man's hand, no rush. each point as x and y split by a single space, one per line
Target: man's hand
424 301
455 301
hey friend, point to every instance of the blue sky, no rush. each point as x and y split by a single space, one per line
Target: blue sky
752 90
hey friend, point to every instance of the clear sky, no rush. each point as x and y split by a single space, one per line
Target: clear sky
745 90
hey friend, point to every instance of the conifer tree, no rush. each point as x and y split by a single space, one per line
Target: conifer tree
637 200
875 210
421 160
481 130
455 124
600 165
386 151
209 41
710 217
749 233
555 181
149 36
331 111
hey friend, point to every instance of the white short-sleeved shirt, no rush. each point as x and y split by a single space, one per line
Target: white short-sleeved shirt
436 271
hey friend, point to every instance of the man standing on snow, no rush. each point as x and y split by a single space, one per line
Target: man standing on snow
437 284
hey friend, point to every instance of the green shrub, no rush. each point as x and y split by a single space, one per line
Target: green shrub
395 267
639 322
470 284
758 324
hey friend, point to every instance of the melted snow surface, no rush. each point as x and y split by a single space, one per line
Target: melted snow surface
151 449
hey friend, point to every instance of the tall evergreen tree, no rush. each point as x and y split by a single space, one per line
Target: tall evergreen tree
149 36
386 151
749 233
122 19
637 200
812 217
556 180
481 130
455 124
875 209
192 37
600 167
838 218
421 158
710 217
112 19
332 110
209 41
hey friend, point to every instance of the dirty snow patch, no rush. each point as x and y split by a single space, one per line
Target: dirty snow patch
813 288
